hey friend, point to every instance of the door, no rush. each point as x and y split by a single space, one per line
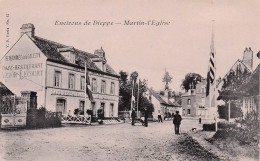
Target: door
103 108
111 110
61 106
93 108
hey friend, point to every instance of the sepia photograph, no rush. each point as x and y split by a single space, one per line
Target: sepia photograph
130 80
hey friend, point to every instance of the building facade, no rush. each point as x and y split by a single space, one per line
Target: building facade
194 101
162 104
57 73
251 94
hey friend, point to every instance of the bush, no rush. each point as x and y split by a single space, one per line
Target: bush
246 134
209 127
40 118
76 111
224 125
221 125
223 112
243 136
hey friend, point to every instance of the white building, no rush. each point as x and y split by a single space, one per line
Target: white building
162 104
57 73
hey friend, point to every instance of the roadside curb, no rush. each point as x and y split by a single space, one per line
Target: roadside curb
222 155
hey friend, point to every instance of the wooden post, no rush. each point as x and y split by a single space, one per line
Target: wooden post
229 111
138 98
216 123
85 91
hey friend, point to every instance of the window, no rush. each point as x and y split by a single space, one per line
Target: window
82 83
188 111
103 86
71 81
81 105
111 110
189 102
94 85
112 89
57 79
251 104
246 103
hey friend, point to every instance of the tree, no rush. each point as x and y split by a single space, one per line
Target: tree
191 80
123 77
125 92
230 91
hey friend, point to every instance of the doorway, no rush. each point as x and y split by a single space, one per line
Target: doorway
61 106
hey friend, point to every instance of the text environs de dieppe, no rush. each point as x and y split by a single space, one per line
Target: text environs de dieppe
113 23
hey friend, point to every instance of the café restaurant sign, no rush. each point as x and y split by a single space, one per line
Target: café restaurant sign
17 67
67 93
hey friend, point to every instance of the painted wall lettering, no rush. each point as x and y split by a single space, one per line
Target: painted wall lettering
22 56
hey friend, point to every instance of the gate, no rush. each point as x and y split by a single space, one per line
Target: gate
13 120
17 118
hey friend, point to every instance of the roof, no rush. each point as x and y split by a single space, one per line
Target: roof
238 61
251 87
51 50
4 90
162 101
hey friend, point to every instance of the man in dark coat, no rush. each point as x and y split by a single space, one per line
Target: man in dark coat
133 117
177 122
146 117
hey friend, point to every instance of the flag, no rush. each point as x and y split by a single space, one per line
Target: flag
211 75
87 85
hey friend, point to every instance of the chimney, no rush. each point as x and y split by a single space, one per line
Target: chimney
100 61
248 57
100 52
28 29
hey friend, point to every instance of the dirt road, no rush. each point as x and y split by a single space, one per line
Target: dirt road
104 142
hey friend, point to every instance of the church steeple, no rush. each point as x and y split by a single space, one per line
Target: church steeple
167 79
212 47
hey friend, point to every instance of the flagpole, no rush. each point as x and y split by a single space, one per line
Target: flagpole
85 89
132 95
215 79
138 97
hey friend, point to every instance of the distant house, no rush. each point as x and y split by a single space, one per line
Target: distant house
194 101
251 96
162 104
246 64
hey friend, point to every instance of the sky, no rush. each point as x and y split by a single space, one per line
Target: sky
181 47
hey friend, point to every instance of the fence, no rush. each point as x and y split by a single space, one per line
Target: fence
76 119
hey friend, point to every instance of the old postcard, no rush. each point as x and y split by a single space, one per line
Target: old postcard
129 80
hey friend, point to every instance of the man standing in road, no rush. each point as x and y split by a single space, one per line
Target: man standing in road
177 122
159 116
146 117
133 117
